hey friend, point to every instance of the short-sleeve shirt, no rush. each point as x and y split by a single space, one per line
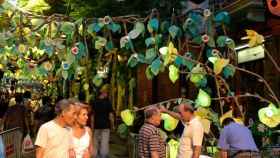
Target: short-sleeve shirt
236 137
149 141
192 136
55 139
102 109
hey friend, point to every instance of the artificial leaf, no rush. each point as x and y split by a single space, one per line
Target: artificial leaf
221 41
219 64
173 73
270 116
173 31
153 25
211 42
127 117
132 61
97 80
164 26
36 6
203 99
197 74
230 43
114 27
150 54
124 41
222 17
155 66
133 34
67 27
170 123
228 71
100 42
140 27
149 73
254 38
171 54
64 75
109 46
178 61
150 41
94 27
21 63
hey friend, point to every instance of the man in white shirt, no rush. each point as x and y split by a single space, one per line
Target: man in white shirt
53 138
192 137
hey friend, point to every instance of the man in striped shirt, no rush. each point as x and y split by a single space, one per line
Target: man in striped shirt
150 144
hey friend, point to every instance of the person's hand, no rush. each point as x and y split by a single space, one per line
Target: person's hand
72 153
87 154
162 109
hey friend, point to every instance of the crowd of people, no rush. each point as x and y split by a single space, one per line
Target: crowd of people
235 140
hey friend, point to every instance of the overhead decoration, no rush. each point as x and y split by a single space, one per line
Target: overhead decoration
127 117
270 115
254 38
203 99
170 123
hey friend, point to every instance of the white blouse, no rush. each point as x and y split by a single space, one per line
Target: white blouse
81 144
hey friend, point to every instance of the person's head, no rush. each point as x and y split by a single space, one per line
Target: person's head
66 111
82 114
152 115
104 92
227 121
186 111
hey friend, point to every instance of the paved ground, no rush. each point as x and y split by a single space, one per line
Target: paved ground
118 148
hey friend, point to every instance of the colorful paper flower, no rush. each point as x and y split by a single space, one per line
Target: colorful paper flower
205 38
254 38
75 50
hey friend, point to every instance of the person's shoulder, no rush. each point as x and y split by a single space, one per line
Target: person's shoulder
149 129
49 124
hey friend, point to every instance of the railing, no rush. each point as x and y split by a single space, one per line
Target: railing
235 5
11 143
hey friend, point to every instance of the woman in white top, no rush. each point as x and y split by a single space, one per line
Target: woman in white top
82 135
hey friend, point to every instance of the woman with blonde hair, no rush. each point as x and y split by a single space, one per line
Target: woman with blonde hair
82 135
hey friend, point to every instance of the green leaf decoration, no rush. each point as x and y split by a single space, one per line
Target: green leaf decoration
150 41
36 6
67 28
221 41
178 61
153 25
100 43
188 23
95 27
149 73
140 27
164 26
123 130
155 66
170 123
228 71
133 34
109 46
219 64
173 31
230 43
114 27
70 58
37 22
197 40
21 63
270 116
97 80
132 61
151 54
222 18
158 39
203 99
64 75
211 42
198 74
124 41
173 73
127 117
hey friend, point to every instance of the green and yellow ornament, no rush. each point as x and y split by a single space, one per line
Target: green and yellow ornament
127 117
170 123
270 115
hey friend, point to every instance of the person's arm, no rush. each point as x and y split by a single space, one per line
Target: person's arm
154 154
112 120
90 149
40 152
198 132
223 144
41 142
171 113
223 154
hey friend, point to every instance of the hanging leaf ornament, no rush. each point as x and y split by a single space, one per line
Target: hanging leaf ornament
169 53
127 117
203 99
170 123
254 38
219 64
173 73
270 115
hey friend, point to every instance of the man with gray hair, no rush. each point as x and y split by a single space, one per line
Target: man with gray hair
53 138
192 137
150 144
